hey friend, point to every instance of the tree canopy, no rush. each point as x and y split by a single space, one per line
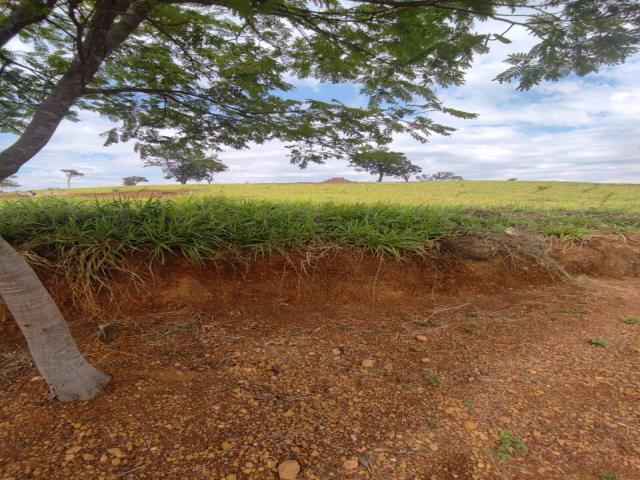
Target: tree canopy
381 162
70 173
180 161
9 183
439 176
133 180
219 72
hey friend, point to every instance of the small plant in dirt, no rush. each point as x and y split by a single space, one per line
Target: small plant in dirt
432 379
607 476
631 320
509 445
424 322
599 342
472 314
471 328
578 312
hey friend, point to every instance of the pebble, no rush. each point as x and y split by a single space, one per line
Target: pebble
116 452
421 338
470 426
350 463
336 351
368 363
288 470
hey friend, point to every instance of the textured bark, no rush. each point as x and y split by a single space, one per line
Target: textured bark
23 15
103 37
54 352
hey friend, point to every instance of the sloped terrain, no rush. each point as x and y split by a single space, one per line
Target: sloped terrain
443 367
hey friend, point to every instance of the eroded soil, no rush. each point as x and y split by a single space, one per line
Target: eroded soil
412 370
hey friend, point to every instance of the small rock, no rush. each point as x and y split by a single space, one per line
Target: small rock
336 351
425 360
227 445
350 464
116 452
87 457
288 470
470 426
421 338
115 462
368 363
36 379
289 413
75 449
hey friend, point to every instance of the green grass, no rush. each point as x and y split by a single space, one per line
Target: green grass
521 194
509 445
94 238
432 379
599 342
631 320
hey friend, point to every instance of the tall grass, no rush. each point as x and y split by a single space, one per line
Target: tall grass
91 240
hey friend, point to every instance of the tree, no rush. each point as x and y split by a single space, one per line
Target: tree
180 161
133 180
440 176
381 162
406 169
215 72
9 183
70 173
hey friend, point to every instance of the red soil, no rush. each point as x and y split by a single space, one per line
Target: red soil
223 372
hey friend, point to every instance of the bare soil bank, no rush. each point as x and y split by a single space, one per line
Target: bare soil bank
413 368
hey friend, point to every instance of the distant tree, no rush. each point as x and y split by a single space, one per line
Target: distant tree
133 180
8 183
406 169
512 180
70 173
434 177
179 160
381 162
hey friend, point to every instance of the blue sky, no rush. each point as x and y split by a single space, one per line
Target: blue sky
577 129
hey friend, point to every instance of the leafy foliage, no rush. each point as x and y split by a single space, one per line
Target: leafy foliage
221 73
381 162
180 161
70 173
133 180
439 177
9 183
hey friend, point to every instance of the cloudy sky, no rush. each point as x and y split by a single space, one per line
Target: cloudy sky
577 129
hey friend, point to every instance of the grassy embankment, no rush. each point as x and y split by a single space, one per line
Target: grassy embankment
93 238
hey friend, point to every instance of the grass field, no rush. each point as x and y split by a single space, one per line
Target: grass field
530 195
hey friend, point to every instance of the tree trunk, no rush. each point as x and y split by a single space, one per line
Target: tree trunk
56 356
380 177
23 15
104 36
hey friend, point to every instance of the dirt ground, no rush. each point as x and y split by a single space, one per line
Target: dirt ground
357 369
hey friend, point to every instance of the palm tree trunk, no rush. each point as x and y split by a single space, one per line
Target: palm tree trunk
55 354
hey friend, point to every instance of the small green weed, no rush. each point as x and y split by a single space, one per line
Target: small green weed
599 342
578 312
471 328
509 445
432 379
607 476
631 320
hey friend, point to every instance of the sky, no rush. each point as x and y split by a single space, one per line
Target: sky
576 129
